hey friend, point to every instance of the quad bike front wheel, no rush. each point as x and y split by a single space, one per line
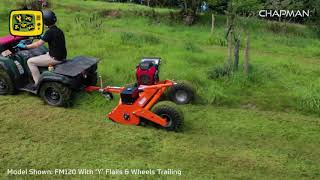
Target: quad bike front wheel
181 93
6 85
171 113
55 94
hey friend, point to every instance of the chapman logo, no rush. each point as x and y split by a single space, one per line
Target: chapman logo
284 13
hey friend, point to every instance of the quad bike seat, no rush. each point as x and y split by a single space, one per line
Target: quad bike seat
71 68
24 55
27 54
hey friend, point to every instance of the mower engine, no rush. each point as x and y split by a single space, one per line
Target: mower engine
147 71
129 95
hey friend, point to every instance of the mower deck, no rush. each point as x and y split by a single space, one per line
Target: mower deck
132 109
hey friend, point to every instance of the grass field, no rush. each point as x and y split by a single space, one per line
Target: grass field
265 126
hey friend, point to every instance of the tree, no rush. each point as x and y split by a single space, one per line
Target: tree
246 55
190 8
33 4
233 33
314 20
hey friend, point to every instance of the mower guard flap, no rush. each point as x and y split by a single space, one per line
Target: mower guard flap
75 66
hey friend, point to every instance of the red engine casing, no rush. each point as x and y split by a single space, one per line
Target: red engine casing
147 72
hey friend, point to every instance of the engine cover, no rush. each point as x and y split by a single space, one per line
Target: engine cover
147 71
129 95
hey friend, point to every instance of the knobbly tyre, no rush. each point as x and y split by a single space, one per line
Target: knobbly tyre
55 87
140 103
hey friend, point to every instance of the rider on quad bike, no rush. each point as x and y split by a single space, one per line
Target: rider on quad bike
57 47
55 86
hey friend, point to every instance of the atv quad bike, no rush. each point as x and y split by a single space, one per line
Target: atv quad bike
55 87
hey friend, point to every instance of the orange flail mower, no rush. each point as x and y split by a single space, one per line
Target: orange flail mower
139 104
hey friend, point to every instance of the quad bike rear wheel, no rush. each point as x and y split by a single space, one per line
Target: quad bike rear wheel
6 85
181 93
171 112
55 94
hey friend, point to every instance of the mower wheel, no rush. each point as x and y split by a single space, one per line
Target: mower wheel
55 94
181 93
6 85
171 112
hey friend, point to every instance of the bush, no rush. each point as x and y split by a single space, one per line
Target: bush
189 46
150 39
33 4
286 29
219 71
218 96
310 99
219 41
315 29
218 38
311 103
291 67
109 13
138 39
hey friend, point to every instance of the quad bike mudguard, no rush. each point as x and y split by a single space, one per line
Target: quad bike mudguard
48 76
16 65
10 67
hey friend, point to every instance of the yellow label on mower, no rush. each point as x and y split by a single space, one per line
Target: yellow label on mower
26 23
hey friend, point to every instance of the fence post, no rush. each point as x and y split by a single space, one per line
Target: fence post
212 22
236 53
246 55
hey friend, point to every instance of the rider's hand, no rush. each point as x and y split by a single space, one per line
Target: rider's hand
23 42
21 46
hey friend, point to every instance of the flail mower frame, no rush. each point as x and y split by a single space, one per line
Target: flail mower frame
145 107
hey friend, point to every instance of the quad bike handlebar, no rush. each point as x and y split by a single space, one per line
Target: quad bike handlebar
25 41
